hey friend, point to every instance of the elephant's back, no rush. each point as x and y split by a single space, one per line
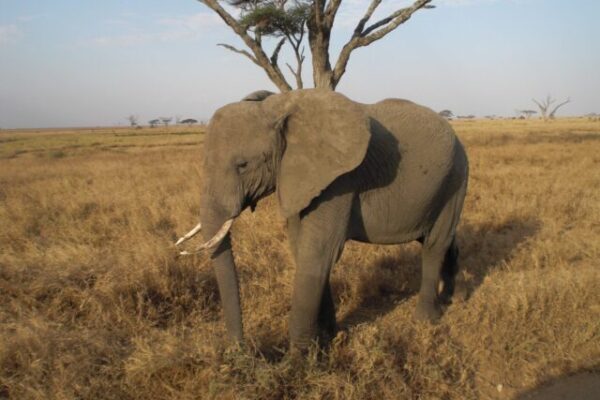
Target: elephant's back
420 132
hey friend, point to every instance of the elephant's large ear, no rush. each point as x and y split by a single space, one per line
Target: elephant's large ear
326 135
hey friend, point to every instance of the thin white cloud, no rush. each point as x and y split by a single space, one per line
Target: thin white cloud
116 21
10 34
461 2
194 22
134 39
29 18
164 30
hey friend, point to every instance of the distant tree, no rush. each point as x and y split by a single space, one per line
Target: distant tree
526 113
189 121
133 120
546 109
166 120
154 122
446 114
593 116
291 21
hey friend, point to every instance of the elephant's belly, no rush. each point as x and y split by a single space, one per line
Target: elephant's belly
375 220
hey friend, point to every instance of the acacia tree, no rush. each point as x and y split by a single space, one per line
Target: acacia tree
189 121
526 113
290 20
165 120
446 114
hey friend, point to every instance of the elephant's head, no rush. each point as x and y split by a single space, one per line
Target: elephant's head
295 143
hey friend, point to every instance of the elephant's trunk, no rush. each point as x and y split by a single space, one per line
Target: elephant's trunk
227 280
215 227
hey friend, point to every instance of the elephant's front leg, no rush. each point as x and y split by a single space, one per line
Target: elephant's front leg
313 312
317 239
326 320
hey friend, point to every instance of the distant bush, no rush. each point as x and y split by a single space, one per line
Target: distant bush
58 154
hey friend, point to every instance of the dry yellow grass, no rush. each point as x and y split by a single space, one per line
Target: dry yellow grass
94 303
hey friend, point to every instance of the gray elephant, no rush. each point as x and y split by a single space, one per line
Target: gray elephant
384 173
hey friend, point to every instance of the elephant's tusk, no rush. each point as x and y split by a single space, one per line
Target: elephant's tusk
189 235
214 241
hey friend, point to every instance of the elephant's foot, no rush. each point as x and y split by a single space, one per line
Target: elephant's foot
428 311
301 348
321 340
326 335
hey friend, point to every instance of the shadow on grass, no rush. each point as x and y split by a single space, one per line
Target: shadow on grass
483 248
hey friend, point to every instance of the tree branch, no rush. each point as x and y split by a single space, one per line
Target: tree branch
242 52
275 55
296 42
331 11
393 21
260 58
363 21
542 107
297 74
364 37
559 106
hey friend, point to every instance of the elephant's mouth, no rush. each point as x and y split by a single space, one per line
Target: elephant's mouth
251 203
252 200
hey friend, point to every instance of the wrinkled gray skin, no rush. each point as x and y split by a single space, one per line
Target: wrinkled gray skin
385 173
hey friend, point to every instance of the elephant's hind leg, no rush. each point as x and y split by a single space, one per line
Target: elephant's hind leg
428 302
439 260
448 273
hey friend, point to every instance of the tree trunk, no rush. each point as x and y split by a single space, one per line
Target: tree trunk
277 79
318 39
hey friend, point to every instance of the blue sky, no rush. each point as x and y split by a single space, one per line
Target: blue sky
90 62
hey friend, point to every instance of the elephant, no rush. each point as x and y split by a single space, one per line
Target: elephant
384 173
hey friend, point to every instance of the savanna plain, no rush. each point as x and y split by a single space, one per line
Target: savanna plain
95 303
